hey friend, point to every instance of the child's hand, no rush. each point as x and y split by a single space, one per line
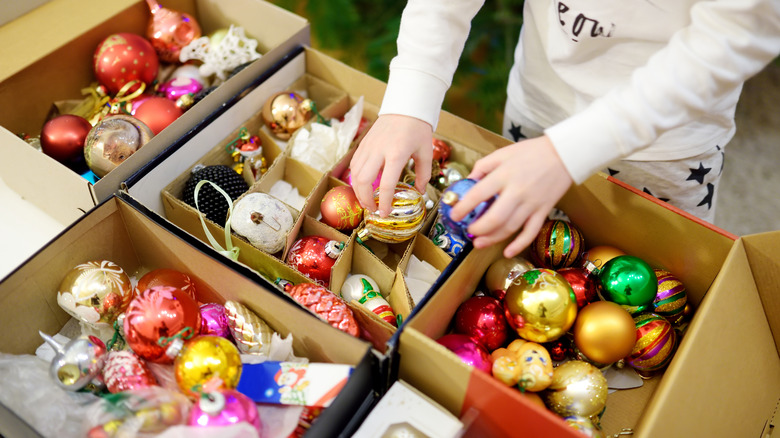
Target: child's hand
387 147
529 179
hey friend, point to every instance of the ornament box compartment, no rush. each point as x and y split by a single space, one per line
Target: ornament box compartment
33 75
607 213
122 231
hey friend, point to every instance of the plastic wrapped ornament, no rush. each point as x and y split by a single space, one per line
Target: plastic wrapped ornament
407 212
326 305
450 197
630 282
95 292
671 298
540 305
122 58
125 371
210 201
341 209
169 31
221 52
482 318
355 286
601 254
263 220
63 137
166 277
372 300
656 342
314 257
468 351
112 140
584 282
251 333
604 332
448 240
502 272
157 113
141 412
223 408
207 363
160 317
285 112
578 388
77 364
213 320
559 244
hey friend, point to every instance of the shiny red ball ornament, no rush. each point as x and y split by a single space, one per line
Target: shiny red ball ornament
584 283
166 277
326 305
62 138
559 244
157 318
441 150
482 318
122 58
157 113
314 257
560 349
468 351
170 31
341 209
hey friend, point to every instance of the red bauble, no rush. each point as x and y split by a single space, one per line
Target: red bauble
169 31
157 317
441 150
314 257
469 351
341 209
122 58
584 284
62 138
482 318
166 277
326 305
157 113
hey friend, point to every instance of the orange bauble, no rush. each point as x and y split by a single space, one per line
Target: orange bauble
157 113
604 332
341 209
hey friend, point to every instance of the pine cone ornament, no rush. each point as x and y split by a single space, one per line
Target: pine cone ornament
125 371
210 202
326 305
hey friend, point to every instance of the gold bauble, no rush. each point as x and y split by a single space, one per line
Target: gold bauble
95 292
501 272
599 255
285 112
540 305
604 332
404 221
207 363
577 388
112 140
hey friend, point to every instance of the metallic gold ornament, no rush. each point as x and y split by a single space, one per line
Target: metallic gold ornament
559 244
601 254
656 342
405 218
502 272
251 333
112 140
540 305
207 363
577 388
285 112
604 332
584 425
95 292
671 298
630 282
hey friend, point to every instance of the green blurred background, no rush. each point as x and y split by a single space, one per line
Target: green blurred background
362 34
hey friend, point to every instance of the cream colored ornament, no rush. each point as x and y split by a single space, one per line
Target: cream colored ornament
263 220
251 333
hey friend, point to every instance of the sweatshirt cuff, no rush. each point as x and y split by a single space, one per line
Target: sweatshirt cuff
414 93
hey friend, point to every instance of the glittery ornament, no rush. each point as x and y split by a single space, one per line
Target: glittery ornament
63 137
210 201
584 282
251 333
559 244
213 320
77 364
207 363
578 388
656 342
540 305
169 31
285 112
314 257
604 332
95 292
451 196
223 408
468 351
671 298
263 220
448 240
630 282
166 277
407 212
341 209
482 318
122 58
125 371
157 113
502 272
112 140
326 305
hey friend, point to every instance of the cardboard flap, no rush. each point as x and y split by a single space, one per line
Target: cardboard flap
763 253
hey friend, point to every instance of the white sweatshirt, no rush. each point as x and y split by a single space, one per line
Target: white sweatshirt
638 79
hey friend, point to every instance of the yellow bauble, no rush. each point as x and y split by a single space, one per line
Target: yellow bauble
604 332
599 255
500 273
577 388
207 363
540 305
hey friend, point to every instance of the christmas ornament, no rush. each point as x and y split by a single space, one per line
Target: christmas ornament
604 332
166 277
584 282
160 317
224 407
77 364
169 31
630 282
221 52
599 255
448 174
125 371
482 318
468 351
122 58
372 300
112 140
263 220
207 363
405 219
95 292
285 112
451 196
210 201
584 425
327 306
506 369
251 333
540 305
502 272
656 342
559 244
347 178
560 348
141 412
247 152
314 257
671 298
354 287
441 150
213 320
535 365
63 137
157 113
577 388
448 240
341 209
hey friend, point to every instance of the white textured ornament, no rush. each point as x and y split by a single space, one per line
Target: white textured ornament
220 58
263 220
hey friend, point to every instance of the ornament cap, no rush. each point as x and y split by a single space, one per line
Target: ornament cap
450 198
212 403
174 348
333 249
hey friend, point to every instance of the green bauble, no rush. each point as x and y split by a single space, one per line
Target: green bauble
630 282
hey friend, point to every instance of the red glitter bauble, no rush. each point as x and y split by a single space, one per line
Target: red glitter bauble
314 257
62 138
341 209
122 58
482 318
157 113
326 305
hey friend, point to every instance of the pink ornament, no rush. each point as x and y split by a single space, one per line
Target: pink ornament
178 87
213 320
223 408
169 31
125 371
469 351
482 318
347 178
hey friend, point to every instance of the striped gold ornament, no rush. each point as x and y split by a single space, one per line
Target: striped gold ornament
671 298
559 244
656 342
405 219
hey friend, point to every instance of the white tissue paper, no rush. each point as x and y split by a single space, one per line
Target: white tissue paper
420 276
287 193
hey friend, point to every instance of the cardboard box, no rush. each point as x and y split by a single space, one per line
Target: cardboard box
56 63
123 232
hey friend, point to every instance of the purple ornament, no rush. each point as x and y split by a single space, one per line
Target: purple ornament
223 408
213 320
450 197
180 86
469 351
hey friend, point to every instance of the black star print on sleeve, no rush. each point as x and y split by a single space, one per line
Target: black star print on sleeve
708 198
698 174
646 190
514 131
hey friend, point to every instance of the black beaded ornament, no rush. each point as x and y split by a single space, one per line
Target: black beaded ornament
210 202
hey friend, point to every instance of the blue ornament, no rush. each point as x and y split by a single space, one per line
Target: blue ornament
449 240
450 197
